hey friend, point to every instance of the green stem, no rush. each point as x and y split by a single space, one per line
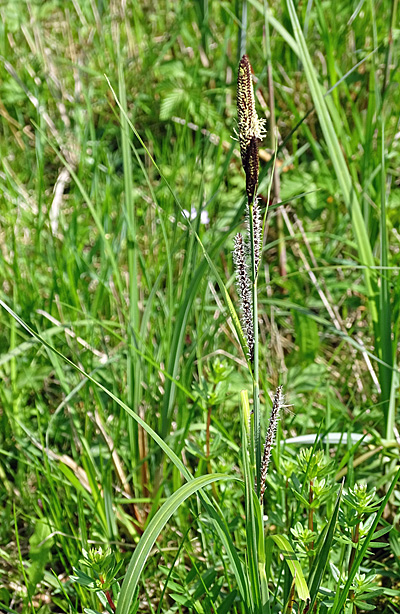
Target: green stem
389 50
256 385
243 30
273 137
311 520
356 537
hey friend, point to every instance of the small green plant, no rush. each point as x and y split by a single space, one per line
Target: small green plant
361 507
102 580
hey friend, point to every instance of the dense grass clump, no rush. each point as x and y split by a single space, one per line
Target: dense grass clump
199 333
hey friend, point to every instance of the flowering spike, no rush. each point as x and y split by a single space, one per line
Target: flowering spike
252 167
257 227
270 437
251 129
257 231
243 283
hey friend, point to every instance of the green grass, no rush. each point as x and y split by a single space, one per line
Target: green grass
126 391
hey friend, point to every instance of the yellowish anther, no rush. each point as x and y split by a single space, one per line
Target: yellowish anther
250 126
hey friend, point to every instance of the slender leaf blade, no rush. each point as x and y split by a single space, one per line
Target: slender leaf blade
294 565
317 572
152 532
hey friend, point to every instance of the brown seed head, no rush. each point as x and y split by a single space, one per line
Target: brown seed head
251 168
251 129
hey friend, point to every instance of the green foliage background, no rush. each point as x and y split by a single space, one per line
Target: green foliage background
97 257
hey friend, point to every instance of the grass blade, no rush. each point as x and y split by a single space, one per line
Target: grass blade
339 164
317 572
152 532
384 305
294 565
133 360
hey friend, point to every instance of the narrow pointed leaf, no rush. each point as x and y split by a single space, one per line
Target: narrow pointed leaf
294 565
317 571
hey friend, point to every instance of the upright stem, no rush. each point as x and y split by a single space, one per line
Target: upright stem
243 30
256 386
311 519
108 597
389 50
110 601
356 537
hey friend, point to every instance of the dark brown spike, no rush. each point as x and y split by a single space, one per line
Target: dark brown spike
251 168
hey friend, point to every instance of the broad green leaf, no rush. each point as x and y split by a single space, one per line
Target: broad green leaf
225 606
39 552
151 534
294 566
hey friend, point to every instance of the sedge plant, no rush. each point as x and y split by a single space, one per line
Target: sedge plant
250 570
255 581
259 589
247 258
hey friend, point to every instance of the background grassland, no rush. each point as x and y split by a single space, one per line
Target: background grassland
97 257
